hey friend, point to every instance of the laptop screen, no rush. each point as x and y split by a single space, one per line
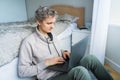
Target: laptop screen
78 51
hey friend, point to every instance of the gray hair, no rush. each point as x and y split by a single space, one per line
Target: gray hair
43 12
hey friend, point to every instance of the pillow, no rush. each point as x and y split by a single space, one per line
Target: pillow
10 39
67 17
60 27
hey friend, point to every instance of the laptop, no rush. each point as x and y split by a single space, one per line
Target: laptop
77 52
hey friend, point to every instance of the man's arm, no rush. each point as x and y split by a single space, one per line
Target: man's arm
25 67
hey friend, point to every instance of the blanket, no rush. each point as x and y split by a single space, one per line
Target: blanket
10 39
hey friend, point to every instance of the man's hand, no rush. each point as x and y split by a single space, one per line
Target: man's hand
54 60
66 54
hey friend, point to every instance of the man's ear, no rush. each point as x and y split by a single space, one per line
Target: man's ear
38 22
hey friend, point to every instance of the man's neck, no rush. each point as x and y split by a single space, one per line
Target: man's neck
43 33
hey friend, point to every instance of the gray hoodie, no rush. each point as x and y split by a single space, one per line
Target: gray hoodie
34 50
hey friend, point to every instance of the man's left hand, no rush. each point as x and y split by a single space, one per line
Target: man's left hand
66 54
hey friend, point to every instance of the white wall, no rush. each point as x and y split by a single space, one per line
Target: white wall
113 39
113 47
32 5
115 12
12 10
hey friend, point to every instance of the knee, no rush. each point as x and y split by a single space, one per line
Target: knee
79 70
80 73
89 58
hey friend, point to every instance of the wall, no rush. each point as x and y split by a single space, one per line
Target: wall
115 12
113 39
12 10
113 47
32 5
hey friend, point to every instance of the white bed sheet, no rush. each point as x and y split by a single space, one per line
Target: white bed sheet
9 71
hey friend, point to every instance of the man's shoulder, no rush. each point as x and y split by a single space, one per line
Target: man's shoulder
29 38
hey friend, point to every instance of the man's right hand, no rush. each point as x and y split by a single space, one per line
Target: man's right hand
54 60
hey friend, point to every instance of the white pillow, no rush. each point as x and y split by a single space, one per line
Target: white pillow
67 17
60 27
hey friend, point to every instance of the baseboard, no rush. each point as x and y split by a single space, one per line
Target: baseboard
114 65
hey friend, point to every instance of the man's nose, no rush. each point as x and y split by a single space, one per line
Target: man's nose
52 25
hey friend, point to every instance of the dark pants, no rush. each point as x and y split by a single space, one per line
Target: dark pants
80 72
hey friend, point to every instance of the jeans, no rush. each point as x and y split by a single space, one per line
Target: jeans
80 72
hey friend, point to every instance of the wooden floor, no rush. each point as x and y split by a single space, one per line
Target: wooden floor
115 74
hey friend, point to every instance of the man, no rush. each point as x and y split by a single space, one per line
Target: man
41 50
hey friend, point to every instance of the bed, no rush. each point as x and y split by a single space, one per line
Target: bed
70 19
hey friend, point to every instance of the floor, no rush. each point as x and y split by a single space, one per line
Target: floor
115 74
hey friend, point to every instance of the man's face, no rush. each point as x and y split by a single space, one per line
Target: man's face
47 25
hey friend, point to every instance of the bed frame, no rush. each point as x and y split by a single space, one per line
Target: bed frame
79 12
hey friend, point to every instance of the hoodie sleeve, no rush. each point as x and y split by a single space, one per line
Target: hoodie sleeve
25 66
